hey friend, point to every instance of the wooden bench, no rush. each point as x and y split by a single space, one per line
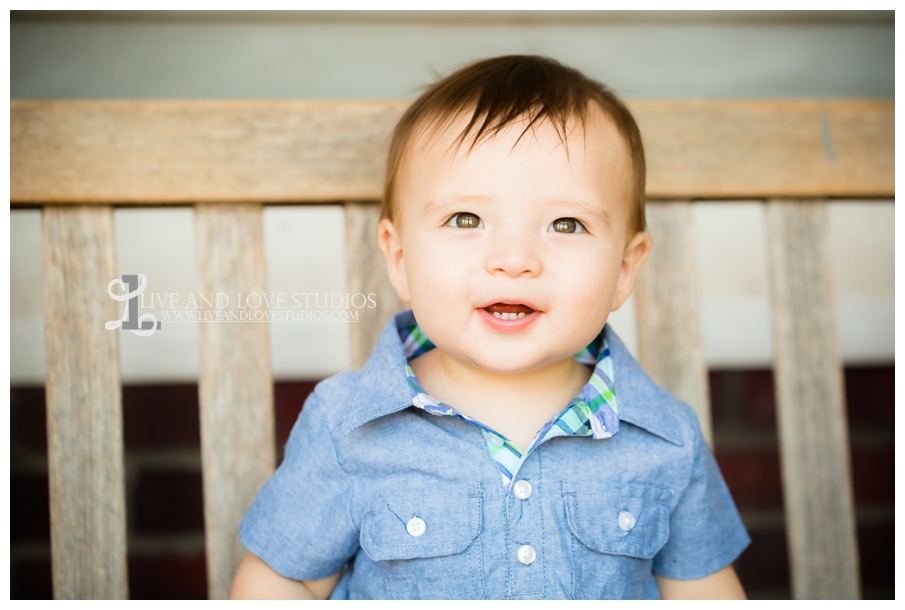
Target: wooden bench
77 160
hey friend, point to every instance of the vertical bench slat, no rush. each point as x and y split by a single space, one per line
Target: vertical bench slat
669 311
816 468
366 272
236 383
84 406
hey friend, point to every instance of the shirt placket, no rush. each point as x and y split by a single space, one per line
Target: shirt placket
525 551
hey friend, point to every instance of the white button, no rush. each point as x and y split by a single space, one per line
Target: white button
415 526
626 520
526 554
521 489
495 440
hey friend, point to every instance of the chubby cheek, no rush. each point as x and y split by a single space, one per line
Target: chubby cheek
594 302
590 283
437 275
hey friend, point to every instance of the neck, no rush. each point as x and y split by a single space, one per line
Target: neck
515 404
456 378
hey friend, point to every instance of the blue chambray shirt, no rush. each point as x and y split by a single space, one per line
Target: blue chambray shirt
412 502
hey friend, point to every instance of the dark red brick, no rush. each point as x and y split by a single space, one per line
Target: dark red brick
168 576
753 477
30 579
742 399
28 420
765 563
724 398
870 396
758 410
167 501
874 476
288 398
877 553
29 508
161 415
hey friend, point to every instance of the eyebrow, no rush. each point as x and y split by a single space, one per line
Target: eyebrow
436 205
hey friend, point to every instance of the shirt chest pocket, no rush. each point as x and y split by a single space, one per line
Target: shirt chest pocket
616 530
423 542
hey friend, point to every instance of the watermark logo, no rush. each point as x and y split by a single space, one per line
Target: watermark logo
144 326
222 307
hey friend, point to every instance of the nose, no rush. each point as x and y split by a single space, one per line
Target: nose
514 254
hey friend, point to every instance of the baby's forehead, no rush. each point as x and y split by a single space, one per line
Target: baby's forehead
461 131
445 167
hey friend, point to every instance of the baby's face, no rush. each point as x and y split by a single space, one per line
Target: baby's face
512 256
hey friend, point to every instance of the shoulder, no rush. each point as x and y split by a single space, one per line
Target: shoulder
331 397
665 440
647 405
686 420
661 414
350 399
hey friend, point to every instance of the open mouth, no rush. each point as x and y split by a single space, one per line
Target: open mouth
506 311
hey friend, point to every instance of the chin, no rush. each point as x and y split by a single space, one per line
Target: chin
503 364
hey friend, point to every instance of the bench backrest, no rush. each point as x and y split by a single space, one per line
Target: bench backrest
79 159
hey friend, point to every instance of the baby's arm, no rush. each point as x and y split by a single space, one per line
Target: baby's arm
257 580
299 525
723 584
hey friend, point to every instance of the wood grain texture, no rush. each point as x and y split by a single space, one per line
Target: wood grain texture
668 303
188 151
759 149
84 416
367 274
236 384
816 466
165 152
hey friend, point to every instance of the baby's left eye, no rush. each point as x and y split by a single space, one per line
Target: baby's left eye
567 225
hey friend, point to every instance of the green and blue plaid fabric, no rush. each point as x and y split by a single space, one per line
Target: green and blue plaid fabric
592 412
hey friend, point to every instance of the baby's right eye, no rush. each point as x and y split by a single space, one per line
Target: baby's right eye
465 220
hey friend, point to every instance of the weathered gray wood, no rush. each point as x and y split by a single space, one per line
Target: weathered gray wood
236 384
813 435
668 305
367 275
715 149
84 417
167 151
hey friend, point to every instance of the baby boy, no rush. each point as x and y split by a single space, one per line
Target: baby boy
501 442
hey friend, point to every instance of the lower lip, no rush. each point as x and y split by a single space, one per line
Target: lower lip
508 326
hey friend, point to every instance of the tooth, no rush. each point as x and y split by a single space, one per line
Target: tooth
497 314
521 314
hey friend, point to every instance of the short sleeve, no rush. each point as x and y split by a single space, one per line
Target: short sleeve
299 523
705 530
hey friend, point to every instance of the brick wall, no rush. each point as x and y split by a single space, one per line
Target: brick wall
164 498
746 448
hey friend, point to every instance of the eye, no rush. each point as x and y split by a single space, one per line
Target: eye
464 220
567 225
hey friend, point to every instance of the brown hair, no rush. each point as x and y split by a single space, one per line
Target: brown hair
503 90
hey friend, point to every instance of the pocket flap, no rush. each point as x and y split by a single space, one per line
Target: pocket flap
450 518
619 519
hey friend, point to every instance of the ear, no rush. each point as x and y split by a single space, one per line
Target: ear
636 252
390 244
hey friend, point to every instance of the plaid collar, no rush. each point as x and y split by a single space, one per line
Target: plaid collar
593 412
